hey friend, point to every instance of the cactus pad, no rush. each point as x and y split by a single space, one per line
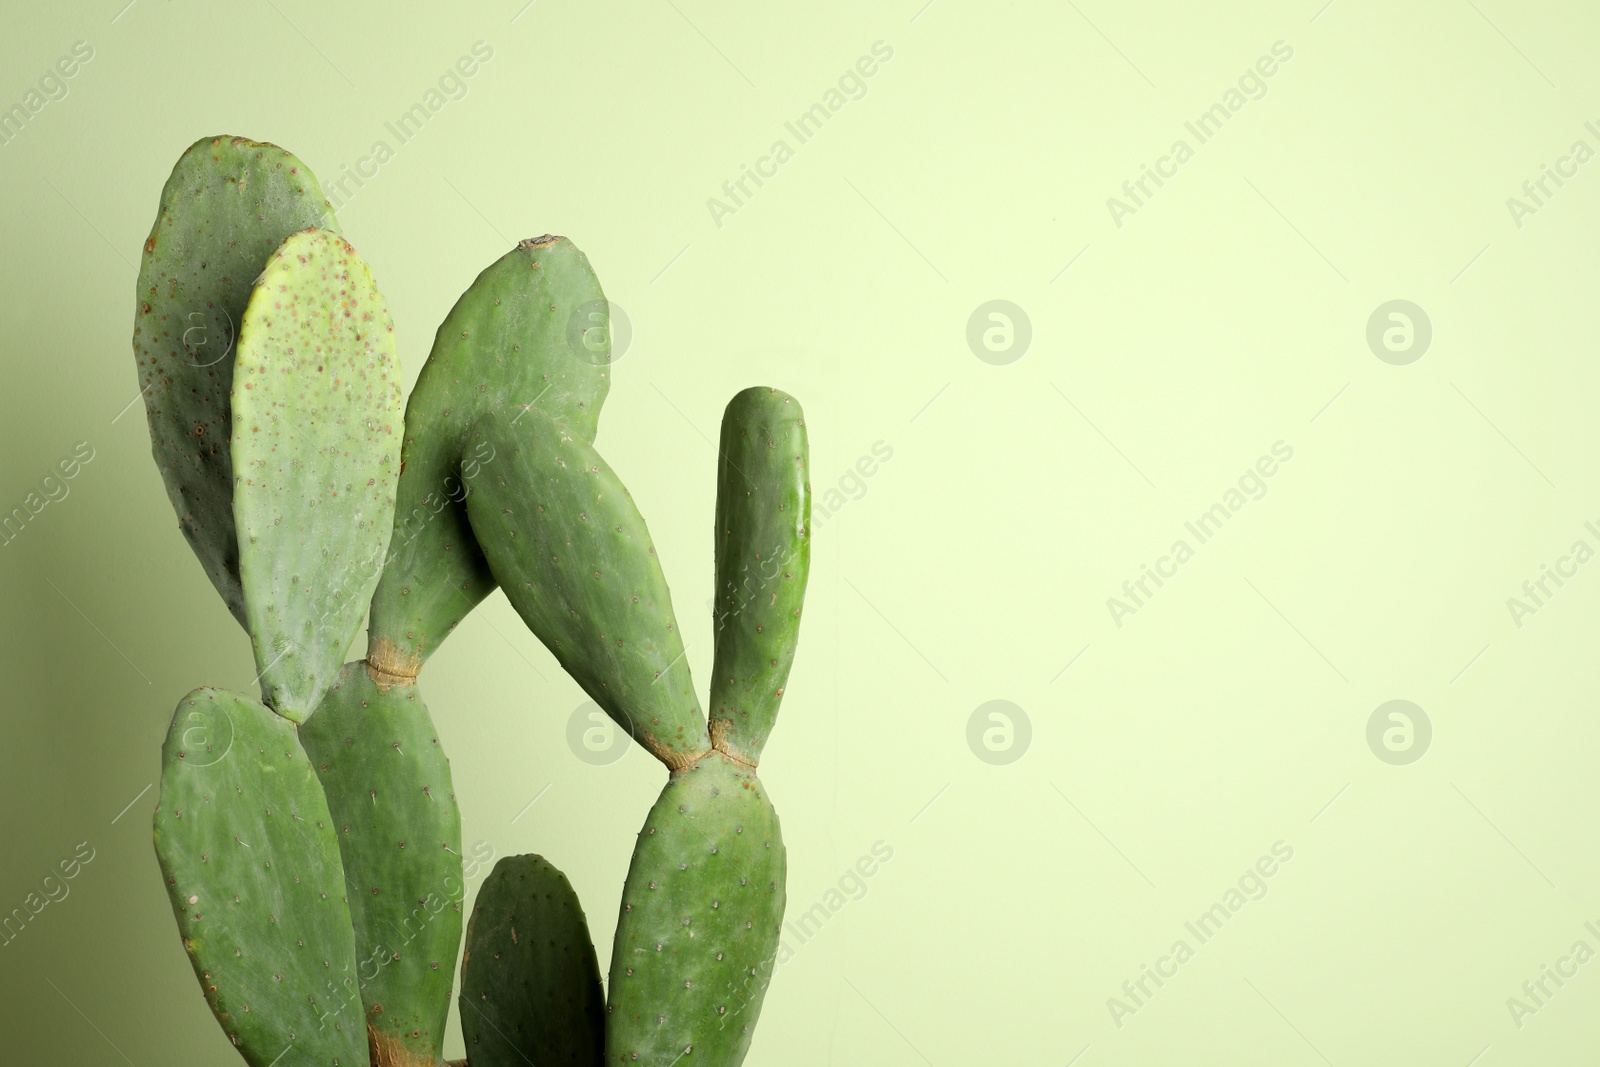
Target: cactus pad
389 791
530 983
503 346
763 552
227 205
701 912
316 452
576 561
252 867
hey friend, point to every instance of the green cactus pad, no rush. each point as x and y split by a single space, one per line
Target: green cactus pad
503 346
701 911
248 852
575 560
530 983
389 790
316 451
763 553
227 205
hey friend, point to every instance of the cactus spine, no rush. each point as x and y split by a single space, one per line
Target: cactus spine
310 840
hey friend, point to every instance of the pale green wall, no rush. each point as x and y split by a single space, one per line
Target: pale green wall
1228 313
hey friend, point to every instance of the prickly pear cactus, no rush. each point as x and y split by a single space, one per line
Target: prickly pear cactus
252 868
389 790
504 347
763 553
228 203
575 559
319 888
530 983
284 479
701 912
702 909
316 451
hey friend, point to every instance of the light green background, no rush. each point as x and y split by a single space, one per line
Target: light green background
1227 314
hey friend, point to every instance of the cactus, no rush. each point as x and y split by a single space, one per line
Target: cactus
252 869
576 561
228 204
242 828
530 984
310 840
499 346
284 482
703 905
316 450
388 786
701 911
763 553
502 346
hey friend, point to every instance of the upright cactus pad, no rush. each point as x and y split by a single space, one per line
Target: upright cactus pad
228 203
701 913
252 867
576 561
393 804
763 553
530 983
316 451
503 347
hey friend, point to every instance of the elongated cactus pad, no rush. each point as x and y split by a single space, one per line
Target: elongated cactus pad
763 552
393 804
576 561
228 204
252 867
316 452
530 983
701 912
504 346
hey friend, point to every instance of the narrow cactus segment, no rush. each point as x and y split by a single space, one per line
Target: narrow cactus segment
763 554
701 911
227 205
505 345
252 867
393 804
316 450
530 983
575 559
